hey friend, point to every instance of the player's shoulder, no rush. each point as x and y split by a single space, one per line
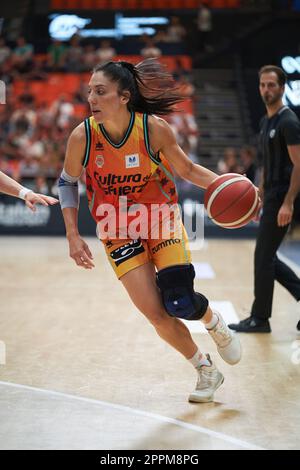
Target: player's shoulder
79 131
156 121
288 115
159 127
160 133
78 135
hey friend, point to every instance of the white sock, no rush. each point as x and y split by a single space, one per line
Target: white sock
210 325
199 359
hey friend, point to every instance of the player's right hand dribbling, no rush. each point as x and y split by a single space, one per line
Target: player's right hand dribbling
80 252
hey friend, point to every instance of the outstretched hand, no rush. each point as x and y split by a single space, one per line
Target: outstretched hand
31 199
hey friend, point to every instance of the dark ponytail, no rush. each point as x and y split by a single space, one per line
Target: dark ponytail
152 89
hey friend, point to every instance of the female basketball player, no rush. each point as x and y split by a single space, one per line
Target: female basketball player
12 188
128 153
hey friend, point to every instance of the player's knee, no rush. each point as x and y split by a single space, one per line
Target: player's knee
176 284
158 318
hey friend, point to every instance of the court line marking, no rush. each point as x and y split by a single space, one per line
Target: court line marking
204 270
146 414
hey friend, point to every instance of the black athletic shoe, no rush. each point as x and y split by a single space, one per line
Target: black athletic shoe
251 325
298 326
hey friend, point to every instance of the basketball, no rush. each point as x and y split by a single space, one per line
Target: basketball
231 201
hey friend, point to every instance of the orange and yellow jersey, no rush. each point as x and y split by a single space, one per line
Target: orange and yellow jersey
129 168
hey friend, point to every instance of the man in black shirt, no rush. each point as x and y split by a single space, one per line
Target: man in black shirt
280 146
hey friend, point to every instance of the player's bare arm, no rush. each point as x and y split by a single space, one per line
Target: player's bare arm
79 250
13 188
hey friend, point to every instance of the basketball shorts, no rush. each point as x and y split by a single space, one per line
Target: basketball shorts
127 254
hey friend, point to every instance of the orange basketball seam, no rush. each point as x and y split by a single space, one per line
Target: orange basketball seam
232 225
232 204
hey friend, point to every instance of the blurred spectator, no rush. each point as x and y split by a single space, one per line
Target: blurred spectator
89 58
150 50
248 161
175 32
204 25
185 128
5 115
13 148
73 57
185 84
25 111
41 185
63 112
7 72
105 53
45 115
80 96
160 37
5 51
56 55
29 167
36 149
38 70
22 57
229 163
183 122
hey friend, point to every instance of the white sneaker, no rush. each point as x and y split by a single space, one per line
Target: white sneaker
209 379
228 343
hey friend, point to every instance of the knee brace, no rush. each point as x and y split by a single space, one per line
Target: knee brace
176 284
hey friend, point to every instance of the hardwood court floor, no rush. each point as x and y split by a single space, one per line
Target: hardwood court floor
91 373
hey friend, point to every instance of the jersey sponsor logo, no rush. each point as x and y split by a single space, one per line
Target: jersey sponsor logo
132 161
165 243
99 160
125 252
126 183
110 179
272 133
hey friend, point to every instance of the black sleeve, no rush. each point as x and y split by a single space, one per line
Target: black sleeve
291 130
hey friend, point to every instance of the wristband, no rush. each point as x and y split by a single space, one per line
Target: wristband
23 192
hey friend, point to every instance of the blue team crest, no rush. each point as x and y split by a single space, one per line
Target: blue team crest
272 133
132 161
99 160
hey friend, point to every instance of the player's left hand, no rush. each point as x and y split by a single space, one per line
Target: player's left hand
33 198
285 214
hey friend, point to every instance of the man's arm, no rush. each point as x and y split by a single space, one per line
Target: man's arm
285 213
294 188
